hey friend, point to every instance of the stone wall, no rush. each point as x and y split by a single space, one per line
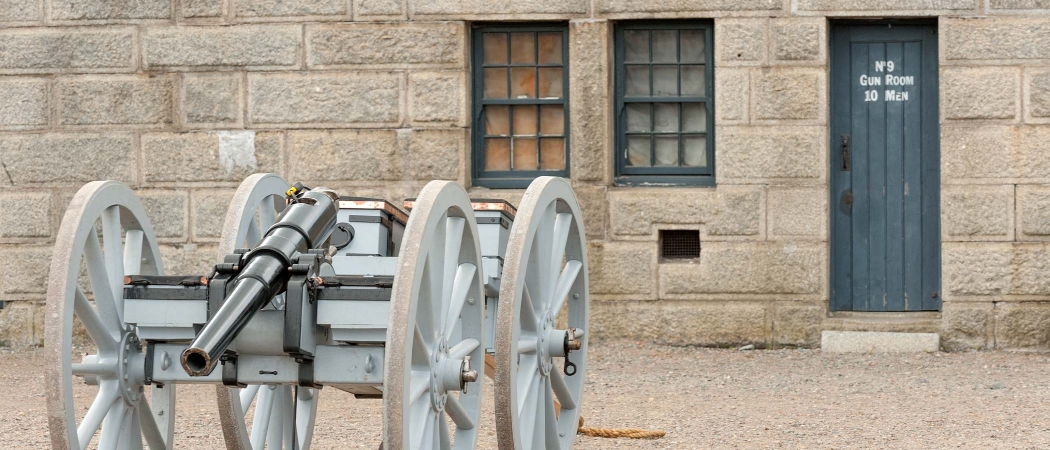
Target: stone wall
183 99
995 163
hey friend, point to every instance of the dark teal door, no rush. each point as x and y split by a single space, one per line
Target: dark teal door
885 176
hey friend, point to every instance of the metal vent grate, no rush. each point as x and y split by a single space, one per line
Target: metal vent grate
679 244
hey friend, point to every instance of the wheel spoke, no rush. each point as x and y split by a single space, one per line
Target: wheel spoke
103 403
562 225
527 346
464 348
275 429
460 291
458 414
539 430
261 421
528 312
96 265
526 384
305 409
446 439
114 255
267 214
565 283
133 435
420 385
550 419
538 276
289 419
150 431
106 370
133 252
435 433
426 310
561 389
247 395
420 350
112 426
105 338
450 265
254 234
528 413
422 422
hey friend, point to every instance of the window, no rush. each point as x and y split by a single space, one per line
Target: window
664 110
520 114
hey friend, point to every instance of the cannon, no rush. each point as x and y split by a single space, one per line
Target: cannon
314 290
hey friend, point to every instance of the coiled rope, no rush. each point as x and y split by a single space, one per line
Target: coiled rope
631 433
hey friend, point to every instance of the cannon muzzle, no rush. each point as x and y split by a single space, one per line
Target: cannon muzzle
302 225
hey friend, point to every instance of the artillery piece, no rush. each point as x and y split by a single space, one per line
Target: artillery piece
315 290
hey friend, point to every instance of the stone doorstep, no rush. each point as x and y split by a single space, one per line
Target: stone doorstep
894 322
878 342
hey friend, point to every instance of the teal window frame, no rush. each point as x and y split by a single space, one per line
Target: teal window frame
511 179
670 175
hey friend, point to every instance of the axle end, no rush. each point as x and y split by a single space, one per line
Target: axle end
196 362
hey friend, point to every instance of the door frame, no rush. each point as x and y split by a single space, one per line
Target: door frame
840 255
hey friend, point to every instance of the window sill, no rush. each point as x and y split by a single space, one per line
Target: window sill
664 181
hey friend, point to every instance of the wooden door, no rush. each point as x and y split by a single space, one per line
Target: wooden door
885 168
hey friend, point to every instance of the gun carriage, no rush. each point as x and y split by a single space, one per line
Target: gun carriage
320 291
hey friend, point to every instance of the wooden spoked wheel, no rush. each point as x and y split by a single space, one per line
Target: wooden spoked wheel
120 415
284 415
435 331
539 357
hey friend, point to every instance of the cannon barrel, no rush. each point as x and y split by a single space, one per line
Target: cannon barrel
264 274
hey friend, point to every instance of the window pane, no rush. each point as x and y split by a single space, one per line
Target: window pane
552 120
524 120
666 150
552 154
550 48
695 154
522 82
692 46
522 48
666 117
665 46
497 120
638 117
495 48
636 46
495 83
525 154
638 151
497 154
637 82
665 80
694 117
693 81
550 82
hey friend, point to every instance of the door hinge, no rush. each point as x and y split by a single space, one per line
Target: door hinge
845 152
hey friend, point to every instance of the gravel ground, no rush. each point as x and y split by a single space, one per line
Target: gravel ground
703 398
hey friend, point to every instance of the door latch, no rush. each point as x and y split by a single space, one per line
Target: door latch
845 152
847 198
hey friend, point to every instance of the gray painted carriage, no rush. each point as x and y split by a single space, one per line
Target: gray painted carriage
313 290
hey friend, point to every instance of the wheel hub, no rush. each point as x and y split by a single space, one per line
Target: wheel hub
438 396
543 354
130 383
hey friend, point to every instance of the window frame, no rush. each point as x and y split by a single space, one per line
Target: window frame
680 176
511 179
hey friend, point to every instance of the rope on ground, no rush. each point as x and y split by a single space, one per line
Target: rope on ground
632 433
